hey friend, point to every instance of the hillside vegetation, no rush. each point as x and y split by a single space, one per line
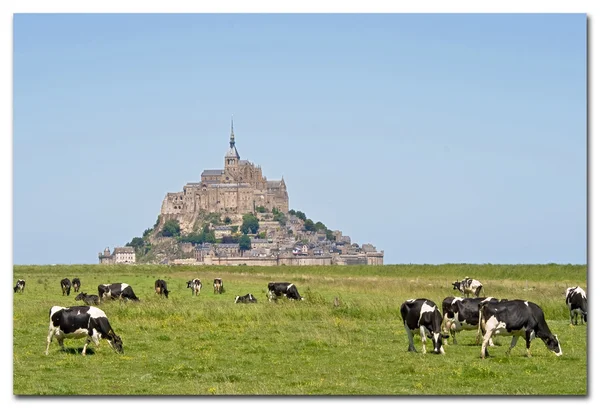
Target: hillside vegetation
208 345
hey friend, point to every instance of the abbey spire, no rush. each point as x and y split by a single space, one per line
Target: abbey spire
232 152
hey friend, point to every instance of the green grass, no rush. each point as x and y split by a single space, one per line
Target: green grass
208 345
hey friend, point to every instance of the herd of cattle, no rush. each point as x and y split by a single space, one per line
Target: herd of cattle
489 316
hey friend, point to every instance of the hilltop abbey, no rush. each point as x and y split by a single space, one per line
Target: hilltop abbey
238 188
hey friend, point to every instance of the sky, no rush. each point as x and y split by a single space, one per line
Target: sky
438 138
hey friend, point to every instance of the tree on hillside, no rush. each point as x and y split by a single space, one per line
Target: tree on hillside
147 232
292 212
249 224
227 220
330 235
136 243
309 225
260 209
301 215
319 226
171 228
245 243
280 218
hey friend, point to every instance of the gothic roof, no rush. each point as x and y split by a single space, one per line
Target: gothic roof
212 172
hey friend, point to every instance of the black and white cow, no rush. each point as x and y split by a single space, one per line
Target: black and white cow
463 314
218 285
576 300
423 316
116 291
88 299
65 285
516 318
195 285
76 322
20 286
282 289
76 284
247 298
468 287
160 286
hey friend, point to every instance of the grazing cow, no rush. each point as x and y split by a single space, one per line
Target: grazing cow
20 286
218 285
88 299
247 298
516 318
81 321
160 286
464 315
116 291
65 284
195 285
285 289
468 287
422 316
577 302
76 284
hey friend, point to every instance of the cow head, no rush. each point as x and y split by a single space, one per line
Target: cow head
456 285
116 343
81 296
553 344
438 347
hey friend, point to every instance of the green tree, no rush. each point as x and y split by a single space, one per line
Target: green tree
301 215
171 229
309 225
245 243
249 224
136 242
319 226
281 218
262 235
157 222
147 232
234 229
261 209
227 220
330 235
292 212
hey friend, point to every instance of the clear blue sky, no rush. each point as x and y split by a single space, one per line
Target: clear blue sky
437 138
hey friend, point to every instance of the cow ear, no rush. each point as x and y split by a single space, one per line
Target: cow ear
445 336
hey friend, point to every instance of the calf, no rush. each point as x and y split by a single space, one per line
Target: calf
76 284
20 286
160 286
422 316
247 298
81 321
516 318
576 300
218 285
88 299
65 285
195 285
468 287
282 289
116 291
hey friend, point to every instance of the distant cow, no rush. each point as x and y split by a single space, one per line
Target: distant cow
76 284
247 298
422 316
576 300
88 299
116 291
516 318
20 286
81 321
218 285
160 286
468 287
195 285
282 289
65 285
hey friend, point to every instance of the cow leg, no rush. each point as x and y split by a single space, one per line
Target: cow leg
87 341
453 332
423 338
513 343
410 334
529 336
486 340
49 338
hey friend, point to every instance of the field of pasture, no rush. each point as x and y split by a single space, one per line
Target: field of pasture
208 345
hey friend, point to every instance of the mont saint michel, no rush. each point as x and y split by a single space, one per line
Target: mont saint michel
236 216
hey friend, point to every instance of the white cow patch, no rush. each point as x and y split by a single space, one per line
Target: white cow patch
123 286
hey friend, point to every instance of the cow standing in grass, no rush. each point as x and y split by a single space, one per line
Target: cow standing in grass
20 286
116 291
81 321
422 316
516 318
65 285
275 290
195 285
76 284
576 300
160 287
218 286
468 287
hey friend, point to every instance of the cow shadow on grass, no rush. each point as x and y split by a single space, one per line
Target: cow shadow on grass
77 350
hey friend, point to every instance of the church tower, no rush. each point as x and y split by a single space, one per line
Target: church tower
232 157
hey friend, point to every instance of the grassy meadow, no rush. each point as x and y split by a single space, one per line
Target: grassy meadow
208 345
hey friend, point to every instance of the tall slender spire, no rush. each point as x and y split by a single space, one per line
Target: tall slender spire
232 152
232 136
